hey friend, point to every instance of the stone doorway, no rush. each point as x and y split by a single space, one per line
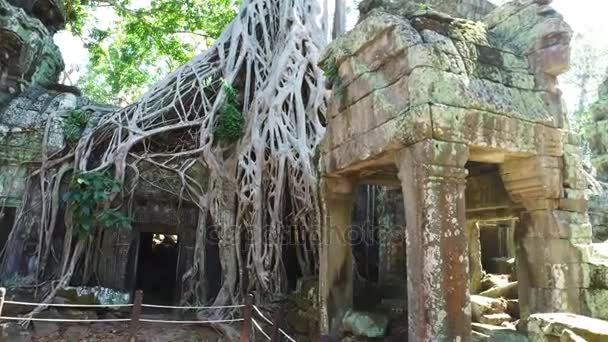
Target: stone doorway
491 223
157 265
378 249
401 109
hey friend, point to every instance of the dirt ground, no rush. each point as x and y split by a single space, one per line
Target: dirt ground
105 332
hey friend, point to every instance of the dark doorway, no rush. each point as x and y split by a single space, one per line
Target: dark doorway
7 218
212 261
378 247
157 267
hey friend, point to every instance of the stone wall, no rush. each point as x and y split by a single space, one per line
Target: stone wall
22 129
28 55
597 135
417 95
468 9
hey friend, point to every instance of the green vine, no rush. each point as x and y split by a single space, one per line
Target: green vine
87 196
74 123
230 122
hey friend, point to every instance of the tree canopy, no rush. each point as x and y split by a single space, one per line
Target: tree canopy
144 41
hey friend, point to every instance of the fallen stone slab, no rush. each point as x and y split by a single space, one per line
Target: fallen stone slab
491 280
569 336
545 327
481 305
495 319
507 291
486 332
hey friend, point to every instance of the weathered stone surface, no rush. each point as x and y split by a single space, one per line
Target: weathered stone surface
421 93
494 280
28 54
508 291
495 319
550 326
569 336
598 215
475 266
499 333
366 324
22 129
50 12
481 305
469 9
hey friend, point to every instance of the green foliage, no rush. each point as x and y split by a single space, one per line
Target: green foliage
144 43
88 197
423 7
73 124
230 122
75 15
332 75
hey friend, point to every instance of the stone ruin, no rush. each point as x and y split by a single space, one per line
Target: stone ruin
466 118
451 105
32 100
596 134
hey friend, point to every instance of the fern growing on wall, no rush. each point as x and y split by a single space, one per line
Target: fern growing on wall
230 122
73 124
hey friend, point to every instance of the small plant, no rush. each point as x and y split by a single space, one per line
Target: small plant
230 122
331 72
332 75
88 195
422 6
74 123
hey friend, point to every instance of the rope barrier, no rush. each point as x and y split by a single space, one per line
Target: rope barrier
262 315
64 319
192 307
124 305
115 320
191 322
286 336
69 305
259 312
257 325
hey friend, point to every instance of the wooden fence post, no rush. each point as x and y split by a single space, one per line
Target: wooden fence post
2 294
247 313
136 314
277 321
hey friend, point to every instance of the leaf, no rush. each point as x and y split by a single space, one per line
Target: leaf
83 181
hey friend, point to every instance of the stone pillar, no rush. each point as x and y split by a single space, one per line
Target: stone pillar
336 264
553 239
475 267
432 174
391 253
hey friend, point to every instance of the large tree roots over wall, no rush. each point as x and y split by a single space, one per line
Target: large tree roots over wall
249 113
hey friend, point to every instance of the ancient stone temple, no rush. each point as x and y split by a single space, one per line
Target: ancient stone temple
33 107
29 63
466 118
